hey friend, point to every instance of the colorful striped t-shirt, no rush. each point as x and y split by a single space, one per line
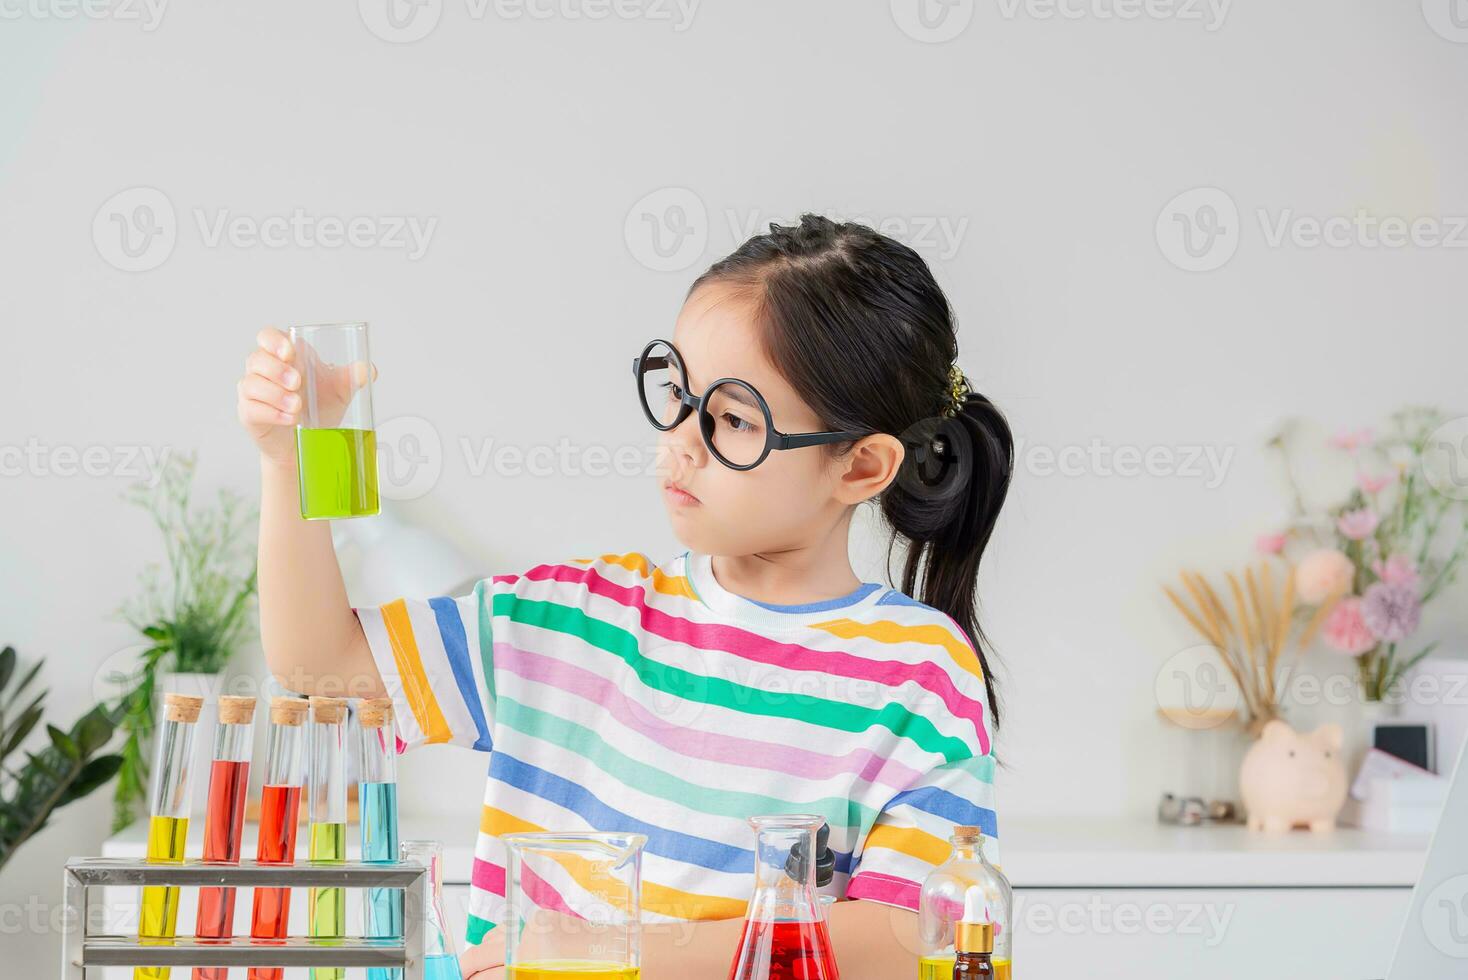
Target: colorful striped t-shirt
616 694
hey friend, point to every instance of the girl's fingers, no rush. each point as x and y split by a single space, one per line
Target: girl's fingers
253 387
259 413
276 342
267 365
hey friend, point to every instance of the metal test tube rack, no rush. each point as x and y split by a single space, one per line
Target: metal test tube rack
83 950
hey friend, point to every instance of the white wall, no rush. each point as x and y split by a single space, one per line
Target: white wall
1050 145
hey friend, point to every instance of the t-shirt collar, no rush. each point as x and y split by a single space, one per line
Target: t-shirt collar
700 572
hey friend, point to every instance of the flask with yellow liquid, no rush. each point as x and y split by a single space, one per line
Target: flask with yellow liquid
941 905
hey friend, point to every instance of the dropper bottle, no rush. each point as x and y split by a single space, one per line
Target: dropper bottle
973 940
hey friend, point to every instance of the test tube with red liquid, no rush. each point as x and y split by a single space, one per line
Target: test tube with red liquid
280 814
224 818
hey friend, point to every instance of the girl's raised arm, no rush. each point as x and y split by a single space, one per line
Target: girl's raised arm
312 639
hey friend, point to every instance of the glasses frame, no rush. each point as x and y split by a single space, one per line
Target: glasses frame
775 440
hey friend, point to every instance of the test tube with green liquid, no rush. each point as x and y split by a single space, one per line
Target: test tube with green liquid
336 445
327 907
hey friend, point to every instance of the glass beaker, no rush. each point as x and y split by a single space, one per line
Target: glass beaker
785 935
573 906
940 906
336 446
440 957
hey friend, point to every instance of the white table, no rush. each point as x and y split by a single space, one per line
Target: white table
1112 898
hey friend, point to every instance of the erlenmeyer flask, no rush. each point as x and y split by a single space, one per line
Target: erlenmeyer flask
785 935
440 960
573 906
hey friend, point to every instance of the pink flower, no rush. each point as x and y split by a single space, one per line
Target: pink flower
1345 631
1396 570
1270 544
1374 484
1321 574
1391 612
1357 524
1352 441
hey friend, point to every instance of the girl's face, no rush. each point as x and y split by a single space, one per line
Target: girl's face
795 496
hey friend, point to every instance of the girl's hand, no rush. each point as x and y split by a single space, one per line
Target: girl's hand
487 960
271 390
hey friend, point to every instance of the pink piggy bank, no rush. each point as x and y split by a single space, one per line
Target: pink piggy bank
1289 779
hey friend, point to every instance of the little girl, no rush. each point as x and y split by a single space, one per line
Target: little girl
753 673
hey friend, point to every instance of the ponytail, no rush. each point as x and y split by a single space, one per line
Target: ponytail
944 503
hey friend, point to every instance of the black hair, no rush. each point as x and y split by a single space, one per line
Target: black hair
855 321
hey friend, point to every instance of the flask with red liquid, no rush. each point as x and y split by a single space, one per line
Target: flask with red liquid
785 935
224 818
280 814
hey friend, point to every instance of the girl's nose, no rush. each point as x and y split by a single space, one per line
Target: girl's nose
684 443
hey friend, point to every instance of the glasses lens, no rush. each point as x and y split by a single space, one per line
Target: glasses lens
735 423
662 384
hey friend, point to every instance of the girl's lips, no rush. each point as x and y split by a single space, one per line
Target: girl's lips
679 496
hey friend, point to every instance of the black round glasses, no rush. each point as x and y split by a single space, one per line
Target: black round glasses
732 415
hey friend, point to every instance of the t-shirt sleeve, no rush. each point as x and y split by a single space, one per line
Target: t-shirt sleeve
436 659
909 838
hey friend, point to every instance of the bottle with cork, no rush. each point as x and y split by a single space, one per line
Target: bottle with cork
280 813
327 911
224 818
941 906
377 793
168 819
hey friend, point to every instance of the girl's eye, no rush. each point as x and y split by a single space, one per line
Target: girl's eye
738 424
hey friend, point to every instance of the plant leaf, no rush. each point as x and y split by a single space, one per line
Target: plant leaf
64 743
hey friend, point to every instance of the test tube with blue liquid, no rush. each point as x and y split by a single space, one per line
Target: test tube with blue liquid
378 794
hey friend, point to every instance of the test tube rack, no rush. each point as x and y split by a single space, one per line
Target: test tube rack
83 950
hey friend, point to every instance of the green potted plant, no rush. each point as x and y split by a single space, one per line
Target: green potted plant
71 766
192 611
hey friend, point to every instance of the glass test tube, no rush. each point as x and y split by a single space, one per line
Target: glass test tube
280 814
327 913
168 820
224 818
377 796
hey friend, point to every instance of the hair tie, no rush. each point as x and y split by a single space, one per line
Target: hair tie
958 391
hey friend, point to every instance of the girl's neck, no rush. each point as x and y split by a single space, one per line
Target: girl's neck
810 572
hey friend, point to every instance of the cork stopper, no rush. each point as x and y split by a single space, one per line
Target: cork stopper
181 707
375 712
236 710
966 832
288 711
328 710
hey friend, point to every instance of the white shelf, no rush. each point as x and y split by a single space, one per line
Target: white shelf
1056 853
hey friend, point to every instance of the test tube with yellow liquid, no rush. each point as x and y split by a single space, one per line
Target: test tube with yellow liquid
327 907
336 445
168 820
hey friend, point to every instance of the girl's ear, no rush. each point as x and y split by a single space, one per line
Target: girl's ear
870 465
